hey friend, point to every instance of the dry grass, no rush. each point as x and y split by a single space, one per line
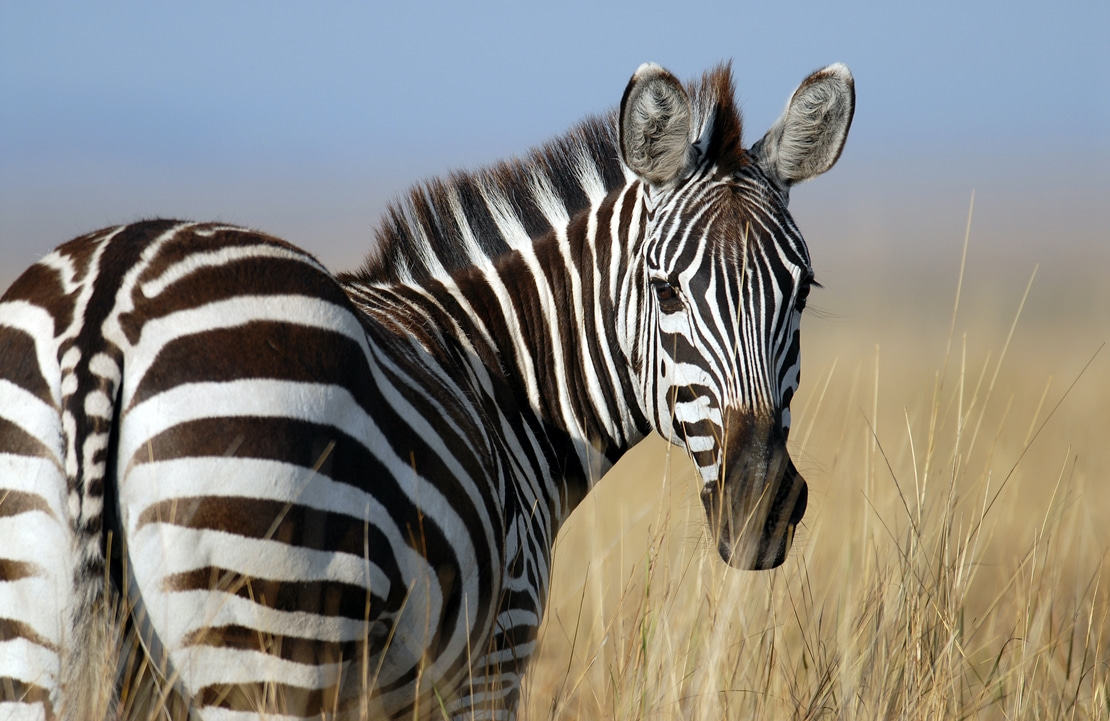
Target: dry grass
953 563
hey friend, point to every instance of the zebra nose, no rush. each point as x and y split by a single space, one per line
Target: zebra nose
799 509
786 512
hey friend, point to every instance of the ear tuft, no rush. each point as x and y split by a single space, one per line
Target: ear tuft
809 137
655 120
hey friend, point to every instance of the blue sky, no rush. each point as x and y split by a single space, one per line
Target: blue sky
305 118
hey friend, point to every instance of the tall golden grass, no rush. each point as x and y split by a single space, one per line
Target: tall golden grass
953 559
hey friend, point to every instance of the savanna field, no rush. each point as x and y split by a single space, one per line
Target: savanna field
953 560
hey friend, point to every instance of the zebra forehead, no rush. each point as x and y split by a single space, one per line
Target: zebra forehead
729 233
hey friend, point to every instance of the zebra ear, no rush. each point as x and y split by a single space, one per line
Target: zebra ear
807 140
655 120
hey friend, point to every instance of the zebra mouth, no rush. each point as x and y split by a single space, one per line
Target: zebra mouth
756 535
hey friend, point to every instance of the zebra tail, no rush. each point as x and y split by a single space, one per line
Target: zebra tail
90 657
91 372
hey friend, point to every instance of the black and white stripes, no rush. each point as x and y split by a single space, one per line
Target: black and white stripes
340 495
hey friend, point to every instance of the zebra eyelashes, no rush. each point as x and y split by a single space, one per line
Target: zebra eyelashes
803 293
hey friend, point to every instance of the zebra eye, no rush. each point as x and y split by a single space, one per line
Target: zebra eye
665 293
803 293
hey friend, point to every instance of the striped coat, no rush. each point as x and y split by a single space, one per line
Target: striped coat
340 495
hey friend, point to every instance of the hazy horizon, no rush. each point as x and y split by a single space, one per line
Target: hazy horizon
304 122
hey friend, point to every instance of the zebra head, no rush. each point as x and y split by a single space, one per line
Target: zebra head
724 275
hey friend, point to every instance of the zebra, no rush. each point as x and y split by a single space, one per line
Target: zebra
338 495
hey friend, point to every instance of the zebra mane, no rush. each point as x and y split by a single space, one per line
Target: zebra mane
445 224
717 122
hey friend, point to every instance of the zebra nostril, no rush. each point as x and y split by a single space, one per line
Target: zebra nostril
799 509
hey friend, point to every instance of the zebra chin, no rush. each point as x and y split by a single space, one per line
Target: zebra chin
753 518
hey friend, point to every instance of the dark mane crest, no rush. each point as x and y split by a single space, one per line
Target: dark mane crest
717 120
449 223
445 224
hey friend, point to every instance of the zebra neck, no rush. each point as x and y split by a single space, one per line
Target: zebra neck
547 316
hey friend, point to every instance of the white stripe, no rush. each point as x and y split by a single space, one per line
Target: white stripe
506 218
29 413
547 200
65 266
70 359
422 247
102 365
700 444
473 487
33 474
28 662
35 537
11 711
227 609
34 601
474 251
697 410
550 326
98 405
687 374
214 713
517 617
589 179
176 614
523 352
261 397
202 666
216 258
520 651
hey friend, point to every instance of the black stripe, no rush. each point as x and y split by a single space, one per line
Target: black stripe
323 598
18 442
41 286
17 570
14 503
299 526
480 219
11 630
259 349
271 696
19 365
297 649
12 689
333 454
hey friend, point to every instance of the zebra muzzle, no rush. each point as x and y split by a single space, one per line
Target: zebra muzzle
753 513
